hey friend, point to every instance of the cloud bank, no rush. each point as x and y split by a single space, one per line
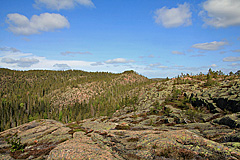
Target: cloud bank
61 66
22 62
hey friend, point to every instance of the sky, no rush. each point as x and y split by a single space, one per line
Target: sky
156 38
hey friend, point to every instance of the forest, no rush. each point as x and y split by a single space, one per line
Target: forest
65 96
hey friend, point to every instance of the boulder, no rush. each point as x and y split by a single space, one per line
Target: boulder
233 120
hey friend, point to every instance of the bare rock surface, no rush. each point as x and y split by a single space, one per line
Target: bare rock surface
121 138
39 136
81 147
142 144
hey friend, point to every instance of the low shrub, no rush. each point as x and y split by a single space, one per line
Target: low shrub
16 144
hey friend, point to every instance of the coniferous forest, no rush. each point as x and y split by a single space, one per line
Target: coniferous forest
64 95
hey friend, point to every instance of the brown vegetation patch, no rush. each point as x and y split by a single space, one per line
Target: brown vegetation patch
34 151
174 152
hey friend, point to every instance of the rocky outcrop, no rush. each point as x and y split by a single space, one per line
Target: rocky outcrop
149 144
225 97
139 135
232 120
39 136
81 147
120 139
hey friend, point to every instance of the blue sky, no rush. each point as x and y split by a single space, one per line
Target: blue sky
156 38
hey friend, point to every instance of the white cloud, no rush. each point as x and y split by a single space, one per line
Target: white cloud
231 59
21 25
179 66
26 39
178 53
118 60
222 52
72 53
9 49
234 64
174 17
151 56
213 65
97 64
62 4
237 50
9 60
197 55
61 66
154 64
12 53
163 67
14 59
85 2
34 62
211 46
27 61
148 68
22 62
221 13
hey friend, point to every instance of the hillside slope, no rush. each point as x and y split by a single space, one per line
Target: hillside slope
62 95
193 117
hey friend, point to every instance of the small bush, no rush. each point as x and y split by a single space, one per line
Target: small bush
16 144
167 111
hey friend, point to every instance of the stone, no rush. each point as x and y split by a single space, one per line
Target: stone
232 121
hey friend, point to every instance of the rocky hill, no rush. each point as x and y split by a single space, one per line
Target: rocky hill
188 117
62 95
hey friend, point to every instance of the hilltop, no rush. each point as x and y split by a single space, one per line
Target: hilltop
187 117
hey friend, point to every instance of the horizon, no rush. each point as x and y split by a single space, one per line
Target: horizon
154 38
118 72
